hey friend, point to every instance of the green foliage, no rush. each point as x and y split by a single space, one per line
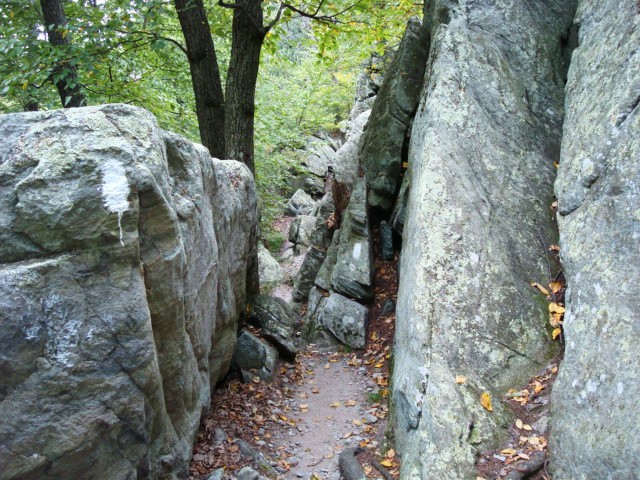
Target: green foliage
130 51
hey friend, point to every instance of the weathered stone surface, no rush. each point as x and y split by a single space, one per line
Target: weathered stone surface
483 144
269 269
307 274
595 432
345 319
256 355
276 321
386 240
353 271
321 155
118 288
346 162
301 203
311 184
382 142
301 232
396 219
323 278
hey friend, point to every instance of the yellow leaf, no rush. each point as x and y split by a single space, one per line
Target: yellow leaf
556 333
555 286
555 319
519 423
461 379
378 365
335 404
387 463
25 84
527 427
351 403
485 401
543 290
508 451
555 308
357 423
327 366
391 453
11 15
304 406
65 32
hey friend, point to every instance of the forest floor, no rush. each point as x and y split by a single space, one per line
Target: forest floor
314 409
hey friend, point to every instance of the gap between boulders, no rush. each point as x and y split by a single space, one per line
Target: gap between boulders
318 407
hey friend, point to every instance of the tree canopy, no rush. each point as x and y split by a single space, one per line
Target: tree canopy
134 51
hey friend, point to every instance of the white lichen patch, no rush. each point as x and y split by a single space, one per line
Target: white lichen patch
115 189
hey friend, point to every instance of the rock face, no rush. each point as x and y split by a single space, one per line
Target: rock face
595 429
483 143
123 265
382 143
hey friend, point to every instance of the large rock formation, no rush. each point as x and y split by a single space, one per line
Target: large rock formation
382 143
123 263
596 425
483 143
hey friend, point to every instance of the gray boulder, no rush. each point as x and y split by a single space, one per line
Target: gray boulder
307 274
269 269
345 319
301 203
254 355
301 232
277 321
481 159
352 273
346 162
119 287
383 140
595 427
321 153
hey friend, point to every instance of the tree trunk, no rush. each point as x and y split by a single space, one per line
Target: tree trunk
205 75
248 35
64 75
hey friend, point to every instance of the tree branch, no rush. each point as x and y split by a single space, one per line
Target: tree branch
156 37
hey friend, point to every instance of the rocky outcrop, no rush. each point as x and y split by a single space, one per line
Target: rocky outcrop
124 254
395 105
483 143
595 429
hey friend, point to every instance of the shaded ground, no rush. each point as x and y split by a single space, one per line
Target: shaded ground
315 408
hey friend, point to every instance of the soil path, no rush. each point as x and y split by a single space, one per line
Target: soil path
314 409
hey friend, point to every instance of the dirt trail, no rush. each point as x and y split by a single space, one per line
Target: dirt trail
313 410
336 407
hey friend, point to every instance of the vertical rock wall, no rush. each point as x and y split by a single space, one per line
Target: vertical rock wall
483 144
596 423
123 263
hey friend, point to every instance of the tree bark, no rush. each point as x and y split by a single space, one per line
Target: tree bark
64 75
205 75
248 35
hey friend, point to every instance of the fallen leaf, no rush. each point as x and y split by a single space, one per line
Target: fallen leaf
556 333
555 286
335 404
519 423
391 453
508 451
327 366
350 403
485 401
461 379
527 427
387 463
543 290
555 308
524 456
555 319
